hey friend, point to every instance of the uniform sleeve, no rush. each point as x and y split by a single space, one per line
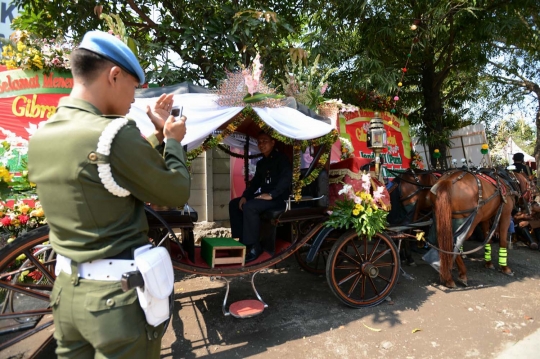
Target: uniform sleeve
140 169
284 178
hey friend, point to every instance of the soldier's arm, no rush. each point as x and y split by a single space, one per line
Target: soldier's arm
137 167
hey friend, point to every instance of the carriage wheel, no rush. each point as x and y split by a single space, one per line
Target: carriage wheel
26 280
362 272
318 265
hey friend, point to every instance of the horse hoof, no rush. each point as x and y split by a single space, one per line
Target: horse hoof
450 284
463 281
506 271
533 246
490 266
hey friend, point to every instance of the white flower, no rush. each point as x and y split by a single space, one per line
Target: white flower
378 194
346 188
366 182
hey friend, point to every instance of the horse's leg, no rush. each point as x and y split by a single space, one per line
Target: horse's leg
407 253
462 270
504 223
487 247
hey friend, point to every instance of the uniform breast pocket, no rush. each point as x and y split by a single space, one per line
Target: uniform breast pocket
114 316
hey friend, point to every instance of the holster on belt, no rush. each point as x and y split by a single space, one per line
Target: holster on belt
157 271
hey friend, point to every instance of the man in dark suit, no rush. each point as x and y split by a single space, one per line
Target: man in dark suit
268 189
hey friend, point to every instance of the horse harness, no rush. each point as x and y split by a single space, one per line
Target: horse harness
417 183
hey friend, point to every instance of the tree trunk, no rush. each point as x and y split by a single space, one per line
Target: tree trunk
537 146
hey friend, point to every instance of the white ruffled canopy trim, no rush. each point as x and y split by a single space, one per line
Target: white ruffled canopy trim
204 116
104 148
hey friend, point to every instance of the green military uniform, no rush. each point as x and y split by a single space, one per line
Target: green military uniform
87 222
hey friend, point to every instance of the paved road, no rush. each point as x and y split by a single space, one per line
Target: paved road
496 317
422 320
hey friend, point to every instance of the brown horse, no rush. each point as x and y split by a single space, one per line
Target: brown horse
410 196
478 198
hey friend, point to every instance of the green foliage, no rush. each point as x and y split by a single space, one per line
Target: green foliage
195 41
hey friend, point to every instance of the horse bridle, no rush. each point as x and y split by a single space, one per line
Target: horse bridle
416 182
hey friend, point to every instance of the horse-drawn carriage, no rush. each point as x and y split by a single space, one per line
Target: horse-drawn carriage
361 271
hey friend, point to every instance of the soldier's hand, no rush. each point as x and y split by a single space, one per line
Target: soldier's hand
160 111
175 129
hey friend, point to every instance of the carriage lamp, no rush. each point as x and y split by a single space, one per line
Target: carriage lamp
376 139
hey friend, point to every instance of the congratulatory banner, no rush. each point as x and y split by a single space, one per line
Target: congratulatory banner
28 98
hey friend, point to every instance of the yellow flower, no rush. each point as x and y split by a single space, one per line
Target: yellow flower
374 206
20 46
361 208
436 150
24 209
355 212
369 211
11 65
485 146
37 61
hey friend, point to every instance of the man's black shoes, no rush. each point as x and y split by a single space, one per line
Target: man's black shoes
253 253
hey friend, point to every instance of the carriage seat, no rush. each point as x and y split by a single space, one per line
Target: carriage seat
176 218
311 204
309 207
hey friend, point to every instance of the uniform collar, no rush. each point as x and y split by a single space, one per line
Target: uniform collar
72 102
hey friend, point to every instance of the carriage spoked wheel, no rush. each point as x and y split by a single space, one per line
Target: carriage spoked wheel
26 280
318 265
362 272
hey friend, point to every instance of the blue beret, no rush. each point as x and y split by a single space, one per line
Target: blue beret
114 50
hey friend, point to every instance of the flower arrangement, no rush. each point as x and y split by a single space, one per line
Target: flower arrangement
31 53
20 218
360 210
346 148
14 185
306 85
247 87
417 161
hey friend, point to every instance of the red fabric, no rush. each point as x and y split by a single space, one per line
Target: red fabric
352 164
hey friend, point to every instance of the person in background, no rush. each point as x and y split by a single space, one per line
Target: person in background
94 199
268 189
518 159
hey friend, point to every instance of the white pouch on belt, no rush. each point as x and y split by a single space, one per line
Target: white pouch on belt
157 271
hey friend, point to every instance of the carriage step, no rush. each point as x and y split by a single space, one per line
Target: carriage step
246 308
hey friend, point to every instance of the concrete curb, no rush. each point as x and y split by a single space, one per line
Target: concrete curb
528 348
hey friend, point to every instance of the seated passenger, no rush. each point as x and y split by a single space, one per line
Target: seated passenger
268 190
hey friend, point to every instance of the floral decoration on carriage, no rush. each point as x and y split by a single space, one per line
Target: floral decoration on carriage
357 199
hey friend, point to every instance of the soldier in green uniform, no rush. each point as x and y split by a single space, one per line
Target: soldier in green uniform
94 172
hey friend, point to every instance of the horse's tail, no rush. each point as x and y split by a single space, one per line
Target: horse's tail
443 218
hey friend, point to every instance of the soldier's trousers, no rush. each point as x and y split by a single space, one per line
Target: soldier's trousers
96 319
